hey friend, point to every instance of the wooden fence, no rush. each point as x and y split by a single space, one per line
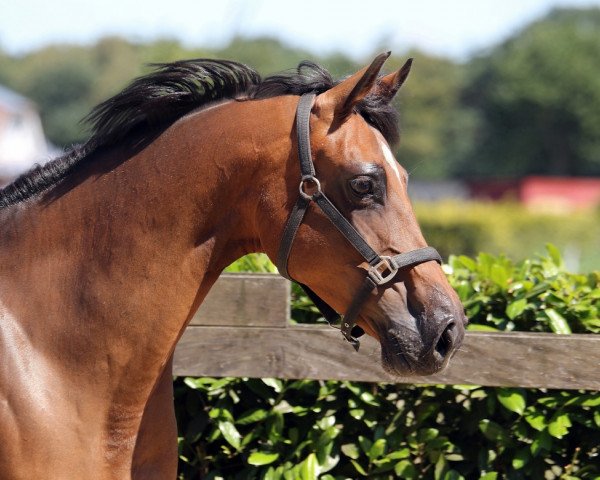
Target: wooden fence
243 330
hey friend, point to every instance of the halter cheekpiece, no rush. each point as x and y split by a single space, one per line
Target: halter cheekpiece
382 268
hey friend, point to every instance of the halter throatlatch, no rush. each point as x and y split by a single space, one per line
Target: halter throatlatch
382 268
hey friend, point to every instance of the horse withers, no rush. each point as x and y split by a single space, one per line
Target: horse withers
107 251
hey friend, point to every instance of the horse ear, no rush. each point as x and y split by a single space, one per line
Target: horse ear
388 86
340 100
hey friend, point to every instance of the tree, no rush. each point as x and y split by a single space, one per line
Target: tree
436 128
538 97
266 55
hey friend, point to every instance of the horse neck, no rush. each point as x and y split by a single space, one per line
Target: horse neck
114 266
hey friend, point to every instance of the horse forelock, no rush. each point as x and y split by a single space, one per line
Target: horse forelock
151 103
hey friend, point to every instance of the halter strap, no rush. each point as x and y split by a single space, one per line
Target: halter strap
382 269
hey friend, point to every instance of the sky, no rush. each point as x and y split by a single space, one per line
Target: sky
454 28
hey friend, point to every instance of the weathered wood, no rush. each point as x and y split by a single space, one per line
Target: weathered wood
243 334
243 299
535 360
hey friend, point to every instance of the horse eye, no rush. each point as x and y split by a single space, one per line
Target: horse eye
362 186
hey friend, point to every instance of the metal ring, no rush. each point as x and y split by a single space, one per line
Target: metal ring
315 181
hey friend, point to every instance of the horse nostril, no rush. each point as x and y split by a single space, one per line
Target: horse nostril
446 340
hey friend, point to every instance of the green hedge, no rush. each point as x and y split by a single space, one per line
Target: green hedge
469 228
274 429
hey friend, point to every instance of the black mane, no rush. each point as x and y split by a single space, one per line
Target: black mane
151 103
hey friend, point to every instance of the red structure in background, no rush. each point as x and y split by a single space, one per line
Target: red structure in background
561 194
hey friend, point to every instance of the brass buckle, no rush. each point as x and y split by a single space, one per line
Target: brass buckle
383 272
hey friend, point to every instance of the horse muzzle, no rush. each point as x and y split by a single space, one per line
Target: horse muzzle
421 346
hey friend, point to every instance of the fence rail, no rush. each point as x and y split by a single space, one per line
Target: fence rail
243 330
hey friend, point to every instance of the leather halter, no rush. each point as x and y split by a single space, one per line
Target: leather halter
382 268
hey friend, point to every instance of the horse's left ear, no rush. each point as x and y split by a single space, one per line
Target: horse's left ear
388 86
340 100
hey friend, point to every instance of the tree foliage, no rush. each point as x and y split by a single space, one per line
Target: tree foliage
437 129
538 96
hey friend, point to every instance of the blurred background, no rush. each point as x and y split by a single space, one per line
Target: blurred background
500 115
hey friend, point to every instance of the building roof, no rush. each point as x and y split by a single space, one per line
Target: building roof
12 101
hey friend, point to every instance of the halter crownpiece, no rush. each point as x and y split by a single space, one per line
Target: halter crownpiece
382 269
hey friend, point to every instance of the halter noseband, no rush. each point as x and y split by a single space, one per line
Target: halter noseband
382 269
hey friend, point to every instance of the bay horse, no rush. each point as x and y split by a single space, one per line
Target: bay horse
107 251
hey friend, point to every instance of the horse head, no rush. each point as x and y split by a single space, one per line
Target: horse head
387 282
